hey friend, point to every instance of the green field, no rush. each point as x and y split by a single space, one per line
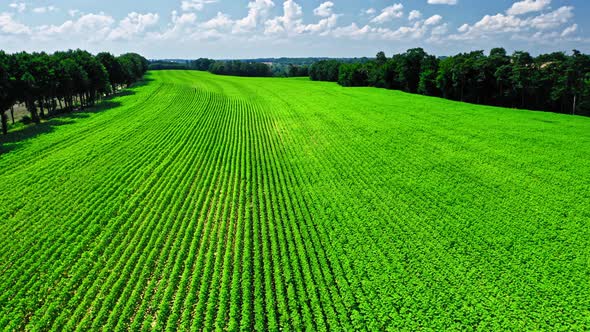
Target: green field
201 202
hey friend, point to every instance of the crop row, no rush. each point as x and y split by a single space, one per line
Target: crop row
222 203
177 216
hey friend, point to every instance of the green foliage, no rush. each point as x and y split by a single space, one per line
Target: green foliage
549 82
43 81
113 68
169 65
202 64
241 68
248 68
326 70
298 71
428 75
134 66
200 202
353 74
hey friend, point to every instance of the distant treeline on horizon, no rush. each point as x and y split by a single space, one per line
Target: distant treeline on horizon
555 82
261 67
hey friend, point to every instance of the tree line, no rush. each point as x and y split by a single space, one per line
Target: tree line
248 68
54 83
554 82
251 68
168 65
239 68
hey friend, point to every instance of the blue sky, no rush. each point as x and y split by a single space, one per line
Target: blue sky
293 28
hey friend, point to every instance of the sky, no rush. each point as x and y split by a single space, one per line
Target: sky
224 29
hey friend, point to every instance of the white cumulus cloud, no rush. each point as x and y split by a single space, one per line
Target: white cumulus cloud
220 21
324 10
11 27
528 6
415 15
433 20
352 31
133 24
188 5
553 19
291 22
18 6
370 11
257 11
389 13
569 30
442 2
43 10
519 27
87 27
73 12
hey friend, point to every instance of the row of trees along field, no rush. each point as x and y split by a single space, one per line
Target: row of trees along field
248 68
550 82
66 79
239 68
251 68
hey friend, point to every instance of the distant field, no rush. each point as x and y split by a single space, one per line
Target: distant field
201 202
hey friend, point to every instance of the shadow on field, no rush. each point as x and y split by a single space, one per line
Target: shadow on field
18 137
124 93
144 81
105 104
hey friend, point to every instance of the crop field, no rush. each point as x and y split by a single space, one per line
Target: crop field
199 202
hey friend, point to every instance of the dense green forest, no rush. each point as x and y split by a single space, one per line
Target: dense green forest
554 82
53 83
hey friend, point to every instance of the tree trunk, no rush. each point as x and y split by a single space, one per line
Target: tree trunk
574 108
33 110
4 122
41 109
